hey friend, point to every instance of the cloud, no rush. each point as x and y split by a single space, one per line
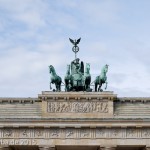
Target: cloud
27 12
34 34
100 11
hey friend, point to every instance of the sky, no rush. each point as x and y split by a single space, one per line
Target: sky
35 34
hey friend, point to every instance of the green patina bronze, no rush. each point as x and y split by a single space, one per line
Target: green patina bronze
101 79
75 48
68 79
55 79
87 77
76 78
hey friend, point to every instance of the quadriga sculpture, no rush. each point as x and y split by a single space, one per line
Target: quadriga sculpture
101 79
55 79
77 77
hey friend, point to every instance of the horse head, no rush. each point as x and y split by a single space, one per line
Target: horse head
105 69
51 68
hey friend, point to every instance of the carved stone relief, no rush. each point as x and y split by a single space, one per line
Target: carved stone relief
100 133
115 133
55 133
26 136
38 133
131 133
25 133
70 133
77 107
146 133
8 133
85 133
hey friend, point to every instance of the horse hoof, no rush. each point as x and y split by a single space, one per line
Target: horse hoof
89 90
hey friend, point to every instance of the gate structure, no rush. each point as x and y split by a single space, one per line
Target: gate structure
75 120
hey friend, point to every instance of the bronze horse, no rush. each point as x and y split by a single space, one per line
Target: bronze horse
55 79
101 79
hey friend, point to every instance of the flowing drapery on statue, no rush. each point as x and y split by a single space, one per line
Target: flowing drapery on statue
76 79
77 75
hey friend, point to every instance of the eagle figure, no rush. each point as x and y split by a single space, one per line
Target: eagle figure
75 42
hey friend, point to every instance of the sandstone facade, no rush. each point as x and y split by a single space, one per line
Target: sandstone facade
75 120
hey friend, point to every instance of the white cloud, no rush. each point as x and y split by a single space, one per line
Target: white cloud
100 12
28 12
34 34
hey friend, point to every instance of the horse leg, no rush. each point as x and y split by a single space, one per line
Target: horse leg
50 86
89 82
56 87
99 89
60 87
66 85
95 87
85 85
100 84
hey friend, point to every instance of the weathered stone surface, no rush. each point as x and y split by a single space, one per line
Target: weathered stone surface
132 107
23 108
78 118
77 104
41 136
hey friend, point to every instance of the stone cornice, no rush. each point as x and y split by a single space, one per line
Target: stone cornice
18 100
47 95
133 99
